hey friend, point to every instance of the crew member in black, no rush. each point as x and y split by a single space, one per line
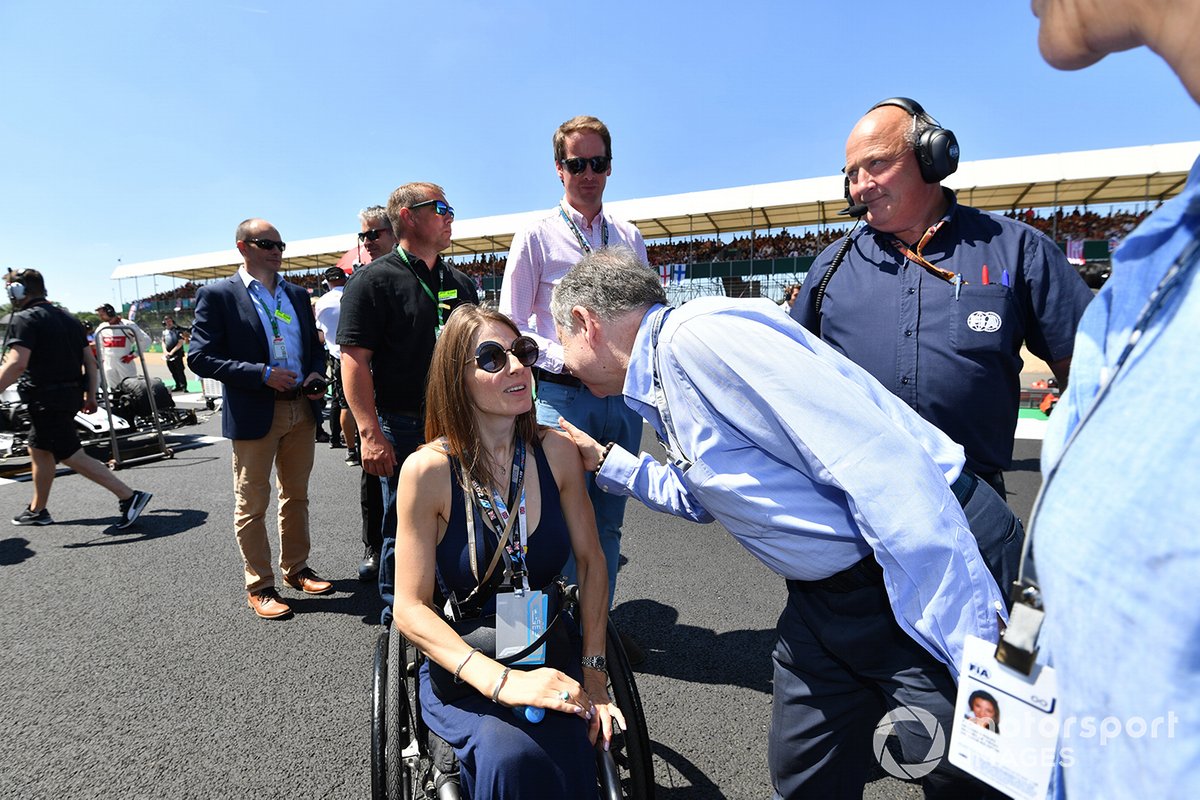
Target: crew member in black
173 349
48 351
391 316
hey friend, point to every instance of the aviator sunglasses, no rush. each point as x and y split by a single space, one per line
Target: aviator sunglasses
440 207
267 244
372 235
575 166
491 356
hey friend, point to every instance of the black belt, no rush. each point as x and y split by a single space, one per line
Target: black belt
859 576
868 572
964 487
290 394
556 377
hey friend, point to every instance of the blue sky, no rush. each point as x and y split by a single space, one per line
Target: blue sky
143 130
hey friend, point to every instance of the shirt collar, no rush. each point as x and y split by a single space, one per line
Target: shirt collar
407 255
248 279
577 217
951 209
639 377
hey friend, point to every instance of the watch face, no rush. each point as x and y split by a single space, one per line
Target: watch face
595 662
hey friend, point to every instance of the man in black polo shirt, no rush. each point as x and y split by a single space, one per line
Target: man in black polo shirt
391 316
49 353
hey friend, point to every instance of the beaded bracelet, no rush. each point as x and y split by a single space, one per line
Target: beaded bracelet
499 685
463 663
607 449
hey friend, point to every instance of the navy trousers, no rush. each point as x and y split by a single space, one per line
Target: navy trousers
841 663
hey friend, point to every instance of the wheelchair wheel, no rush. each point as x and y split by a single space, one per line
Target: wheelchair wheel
397 781
379 680
631 749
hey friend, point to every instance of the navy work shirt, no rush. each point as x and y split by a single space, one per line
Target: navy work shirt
956 360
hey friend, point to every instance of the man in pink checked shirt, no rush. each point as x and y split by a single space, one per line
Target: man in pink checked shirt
540 256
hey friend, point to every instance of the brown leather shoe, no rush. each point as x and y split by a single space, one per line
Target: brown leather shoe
308 582
266 604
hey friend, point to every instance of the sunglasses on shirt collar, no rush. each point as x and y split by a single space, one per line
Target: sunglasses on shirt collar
491 356
575 166
440 207
372 235
266 244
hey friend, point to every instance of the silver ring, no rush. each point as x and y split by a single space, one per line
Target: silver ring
564 695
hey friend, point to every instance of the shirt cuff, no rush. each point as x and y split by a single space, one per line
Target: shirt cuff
618 470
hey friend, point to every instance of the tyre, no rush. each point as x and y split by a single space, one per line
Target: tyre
397 732
378 717
630 750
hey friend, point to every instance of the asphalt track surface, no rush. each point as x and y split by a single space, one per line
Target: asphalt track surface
132 667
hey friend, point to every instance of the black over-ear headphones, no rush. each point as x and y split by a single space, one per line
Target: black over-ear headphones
937 147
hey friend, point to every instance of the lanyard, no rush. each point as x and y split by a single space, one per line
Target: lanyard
439 306
583 243
918 258
1018 644
660 397
497 516
271 314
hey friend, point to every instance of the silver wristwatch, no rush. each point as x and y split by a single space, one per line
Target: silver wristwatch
598 663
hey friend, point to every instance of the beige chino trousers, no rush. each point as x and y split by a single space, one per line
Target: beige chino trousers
289 445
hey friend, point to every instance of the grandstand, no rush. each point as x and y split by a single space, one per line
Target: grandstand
736 241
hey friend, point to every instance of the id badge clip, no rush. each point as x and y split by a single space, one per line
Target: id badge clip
1017 648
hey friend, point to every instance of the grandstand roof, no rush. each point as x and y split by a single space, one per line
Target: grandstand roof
1148 173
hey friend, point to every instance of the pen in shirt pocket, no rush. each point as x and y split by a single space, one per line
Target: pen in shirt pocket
1004 277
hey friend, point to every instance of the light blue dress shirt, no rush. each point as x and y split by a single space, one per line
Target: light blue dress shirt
807 460
265 305
1116 533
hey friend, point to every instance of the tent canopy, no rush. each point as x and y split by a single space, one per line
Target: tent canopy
1150 173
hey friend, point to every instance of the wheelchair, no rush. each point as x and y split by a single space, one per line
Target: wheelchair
409 762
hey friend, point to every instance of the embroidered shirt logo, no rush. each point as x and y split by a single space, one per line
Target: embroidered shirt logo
984 321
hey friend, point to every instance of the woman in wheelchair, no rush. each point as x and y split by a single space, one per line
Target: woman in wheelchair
487 457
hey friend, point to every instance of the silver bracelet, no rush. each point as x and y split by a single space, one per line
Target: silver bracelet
499 685
463 663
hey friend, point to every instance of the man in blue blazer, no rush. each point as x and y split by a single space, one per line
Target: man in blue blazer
255 333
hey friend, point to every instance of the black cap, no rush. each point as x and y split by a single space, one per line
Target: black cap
335 274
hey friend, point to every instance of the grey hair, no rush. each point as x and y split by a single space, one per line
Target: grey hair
374 216
610 282
920 123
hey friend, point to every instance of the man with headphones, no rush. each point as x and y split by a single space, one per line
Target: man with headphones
48 352
934 298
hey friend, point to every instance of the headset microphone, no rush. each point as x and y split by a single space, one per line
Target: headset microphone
852 209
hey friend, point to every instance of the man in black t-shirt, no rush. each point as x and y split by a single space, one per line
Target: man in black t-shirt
48 351
173 350
391 315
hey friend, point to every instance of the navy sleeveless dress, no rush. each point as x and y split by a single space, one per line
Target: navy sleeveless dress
501 756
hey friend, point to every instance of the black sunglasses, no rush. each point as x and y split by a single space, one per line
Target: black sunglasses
575 166
267 244
440 207
490 356
372 234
